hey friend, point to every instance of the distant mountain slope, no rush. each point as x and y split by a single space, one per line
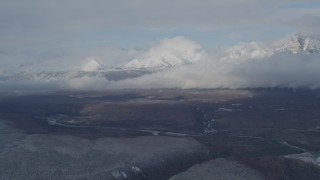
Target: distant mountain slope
92 69
300 43
246 50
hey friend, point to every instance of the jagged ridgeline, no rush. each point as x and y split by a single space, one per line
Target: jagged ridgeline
169 53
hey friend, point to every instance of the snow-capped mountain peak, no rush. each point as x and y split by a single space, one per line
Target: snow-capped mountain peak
93 65
300 43
246 50
256 50
169 53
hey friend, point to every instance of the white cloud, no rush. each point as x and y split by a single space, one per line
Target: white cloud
279 70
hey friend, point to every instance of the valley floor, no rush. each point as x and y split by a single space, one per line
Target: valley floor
161 134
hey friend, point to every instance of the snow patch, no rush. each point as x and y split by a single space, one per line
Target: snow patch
136 169
119 174
225 110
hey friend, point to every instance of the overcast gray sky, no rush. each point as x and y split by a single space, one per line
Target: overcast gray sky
62 32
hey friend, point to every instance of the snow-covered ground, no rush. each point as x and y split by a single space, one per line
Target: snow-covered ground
54 156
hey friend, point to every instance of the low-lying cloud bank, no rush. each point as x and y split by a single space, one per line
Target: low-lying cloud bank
279 70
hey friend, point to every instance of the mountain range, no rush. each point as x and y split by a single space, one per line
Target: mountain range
295 44
159 59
